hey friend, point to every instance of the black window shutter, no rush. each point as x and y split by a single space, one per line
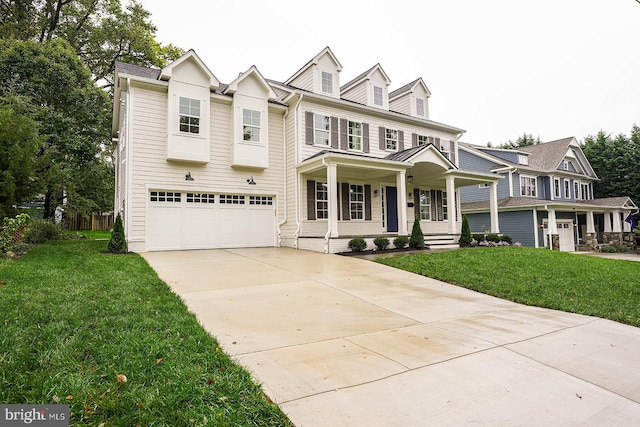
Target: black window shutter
400 140
365 137
434 205
308 125
346 211
414 139
416 202
344 144
334 132
367 202
311 199
382 134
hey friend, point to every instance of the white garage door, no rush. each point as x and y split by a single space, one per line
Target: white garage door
565 233
180 220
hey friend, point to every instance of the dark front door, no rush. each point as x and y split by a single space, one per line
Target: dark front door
392 209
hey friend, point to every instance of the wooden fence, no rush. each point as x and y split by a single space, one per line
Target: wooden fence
76 221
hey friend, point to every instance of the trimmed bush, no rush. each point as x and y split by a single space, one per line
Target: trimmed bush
42 230
381 243
401 242
506 238
357 244
117 243
614 248
465 235
417 237
492 238
478 237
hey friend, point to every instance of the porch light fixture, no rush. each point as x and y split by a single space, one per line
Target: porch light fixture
410 179
375 193
188 177
250 181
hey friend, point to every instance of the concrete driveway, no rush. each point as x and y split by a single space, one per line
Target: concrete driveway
339 341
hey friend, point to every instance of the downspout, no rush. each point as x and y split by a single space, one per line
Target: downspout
297 183
129 166
284 176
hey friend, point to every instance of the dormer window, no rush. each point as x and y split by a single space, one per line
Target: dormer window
250 125
565 165
327 82
189 115
377 96
523 159
420 107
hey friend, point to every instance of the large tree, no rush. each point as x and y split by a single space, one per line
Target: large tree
73 117
524 140
616 161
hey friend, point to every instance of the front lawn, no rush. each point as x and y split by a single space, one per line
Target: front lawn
575 283
103 334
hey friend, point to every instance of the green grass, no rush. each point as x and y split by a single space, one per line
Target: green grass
575 283
91 235
73 319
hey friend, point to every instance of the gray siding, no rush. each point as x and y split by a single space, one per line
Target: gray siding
471 162
517 224
508 155
474 193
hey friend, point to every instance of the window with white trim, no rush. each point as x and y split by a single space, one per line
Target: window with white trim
585 192
356 201
189 115
165 196
528 186
231 199
565 165
445 147
327 82
322 200
423 140
556 187
355 136
425 205
261 200
250 125
567 189
377 96
200 198
420 107
523 159
576 190
391 139
322 129
445 207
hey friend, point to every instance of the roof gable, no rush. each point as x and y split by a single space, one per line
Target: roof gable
315 61
409 88
367 75
252 72
167 72
427 153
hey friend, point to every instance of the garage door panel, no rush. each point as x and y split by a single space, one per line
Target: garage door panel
163 225
199 228
261 223
234 227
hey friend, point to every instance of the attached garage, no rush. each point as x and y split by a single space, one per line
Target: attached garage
566 235
180 220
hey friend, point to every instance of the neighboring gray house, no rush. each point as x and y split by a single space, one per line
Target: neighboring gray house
546 199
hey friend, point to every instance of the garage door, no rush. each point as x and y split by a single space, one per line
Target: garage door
565 233
179 220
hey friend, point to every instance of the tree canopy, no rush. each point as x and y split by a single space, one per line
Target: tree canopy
522 141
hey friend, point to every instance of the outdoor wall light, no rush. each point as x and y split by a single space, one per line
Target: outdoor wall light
375 193
250 181
188 177
410 179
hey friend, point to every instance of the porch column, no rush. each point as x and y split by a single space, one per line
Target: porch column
617 224
607 222
401 183
553 227
591 226
451 204
332 189
493 206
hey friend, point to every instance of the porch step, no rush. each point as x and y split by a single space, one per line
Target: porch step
441 241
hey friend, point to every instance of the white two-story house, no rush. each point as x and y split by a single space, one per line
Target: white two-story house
304 163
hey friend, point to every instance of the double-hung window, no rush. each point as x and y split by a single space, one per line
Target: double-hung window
585 192
250 125
528 186
327 82
391 139
377 96
322 129
189 115
556 188
567 189
423 140
355 136
425 205
445 208
356 201
322 201
576 190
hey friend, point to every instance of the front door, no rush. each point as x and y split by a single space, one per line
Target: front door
391 202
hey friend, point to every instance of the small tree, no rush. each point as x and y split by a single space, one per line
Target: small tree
465 236
117 243
417 237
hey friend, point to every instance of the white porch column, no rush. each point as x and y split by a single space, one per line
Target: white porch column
591 226
607 222
617 224
493 206
332 189
451 204
552 226
401 183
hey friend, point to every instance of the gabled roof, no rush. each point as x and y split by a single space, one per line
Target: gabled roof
166 72
233 86
409 87
137 70
477 150
547 156
364 76
314 61
410 154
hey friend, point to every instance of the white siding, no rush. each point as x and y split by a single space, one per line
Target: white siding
304 80
357 93
401 104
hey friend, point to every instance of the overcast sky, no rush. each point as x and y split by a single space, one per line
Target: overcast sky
497 68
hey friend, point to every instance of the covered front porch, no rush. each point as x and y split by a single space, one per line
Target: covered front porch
342 196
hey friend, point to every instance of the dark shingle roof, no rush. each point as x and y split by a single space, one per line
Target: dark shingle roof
404 155
547 156
403 88
137 70
357 79
516 202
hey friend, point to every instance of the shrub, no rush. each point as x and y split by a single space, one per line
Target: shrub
506 238
465 235
401 241
417 237
478 237
492 238
381 243
117 243
12 231
357 244
42 230
614 248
